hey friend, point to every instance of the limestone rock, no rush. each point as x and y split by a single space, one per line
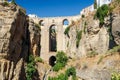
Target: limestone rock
35 38
116 29
13 42
94 74
93 38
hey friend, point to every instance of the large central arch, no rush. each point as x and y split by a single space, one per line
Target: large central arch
52 39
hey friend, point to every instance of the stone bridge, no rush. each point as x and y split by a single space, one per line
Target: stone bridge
52 34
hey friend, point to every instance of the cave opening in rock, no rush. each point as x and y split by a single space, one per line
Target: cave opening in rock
52 61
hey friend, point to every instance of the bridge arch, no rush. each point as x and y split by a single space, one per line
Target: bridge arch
52 38
41 22
65 22
52 60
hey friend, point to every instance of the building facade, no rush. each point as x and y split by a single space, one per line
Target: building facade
102 2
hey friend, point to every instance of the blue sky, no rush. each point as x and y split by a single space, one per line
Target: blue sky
50 8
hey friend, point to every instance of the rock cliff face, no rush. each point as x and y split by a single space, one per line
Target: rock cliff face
93 38
116 29
19 36
35 37
13 40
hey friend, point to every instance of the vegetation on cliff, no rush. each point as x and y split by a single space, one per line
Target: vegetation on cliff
61 61
64 76
30 69
78 37
66 32
101 13
115 76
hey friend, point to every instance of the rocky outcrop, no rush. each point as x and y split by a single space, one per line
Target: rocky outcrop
93 38
14 42
96 69
35 38
116 29
94 74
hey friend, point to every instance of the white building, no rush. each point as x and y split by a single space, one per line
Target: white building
32 15
90 9
101 2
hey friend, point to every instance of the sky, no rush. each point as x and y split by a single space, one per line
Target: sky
53 8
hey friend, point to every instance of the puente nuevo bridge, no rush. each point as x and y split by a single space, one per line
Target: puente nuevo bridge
52 30
52 41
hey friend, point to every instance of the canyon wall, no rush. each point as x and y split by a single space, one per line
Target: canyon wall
93 38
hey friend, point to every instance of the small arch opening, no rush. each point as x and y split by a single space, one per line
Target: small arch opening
65 22
41 22
52 61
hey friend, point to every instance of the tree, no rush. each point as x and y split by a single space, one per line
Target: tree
13 2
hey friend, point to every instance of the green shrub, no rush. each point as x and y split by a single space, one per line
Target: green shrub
58 66
30 69
38 59
85 24
66 32
83 16
31 59
5 4
101 13
62 77
115 76
78 38
61 60
61 57
71 71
